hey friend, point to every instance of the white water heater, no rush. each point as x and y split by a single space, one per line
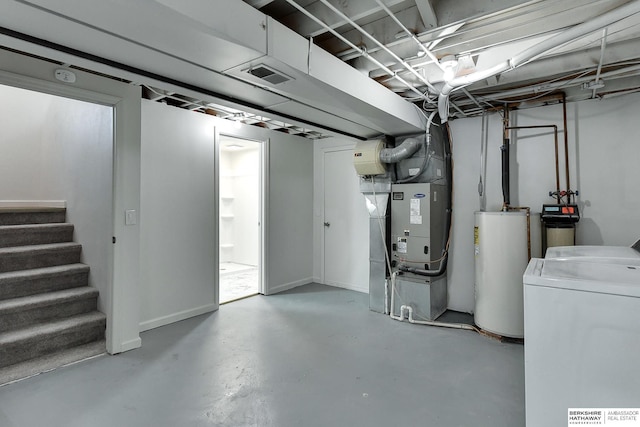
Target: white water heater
501 243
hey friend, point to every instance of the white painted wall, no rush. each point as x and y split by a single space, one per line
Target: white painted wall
603 163
177 211
55 148
177 227
289 249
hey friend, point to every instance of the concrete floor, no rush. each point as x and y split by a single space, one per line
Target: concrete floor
312 356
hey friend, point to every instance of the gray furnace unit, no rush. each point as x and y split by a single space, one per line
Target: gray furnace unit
417 241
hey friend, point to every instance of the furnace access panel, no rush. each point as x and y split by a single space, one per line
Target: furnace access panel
417 224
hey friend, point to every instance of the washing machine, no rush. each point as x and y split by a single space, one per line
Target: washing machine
599 254
582 329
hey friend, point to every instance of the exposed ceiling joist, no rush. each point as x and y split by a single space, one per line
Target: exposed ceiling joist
362 11
259 3
428 15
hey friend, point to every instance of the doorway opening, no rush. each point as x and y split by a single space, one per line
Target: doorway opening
240 218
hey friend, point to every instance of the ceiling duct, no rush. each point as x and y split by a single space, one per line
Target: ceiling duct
241 55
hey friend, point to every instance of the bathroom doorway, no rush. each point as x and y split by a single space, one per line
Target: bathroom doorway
240 218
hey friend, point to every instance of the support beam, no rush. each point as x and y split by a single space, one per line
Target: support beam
360 11
428 15
258 3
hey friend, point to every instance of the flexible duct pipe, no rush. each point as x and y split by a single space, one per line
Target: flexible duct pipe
403 151
571 34
427 155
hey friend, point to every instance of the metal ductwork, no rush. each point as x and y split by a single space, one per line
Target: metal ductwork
241 55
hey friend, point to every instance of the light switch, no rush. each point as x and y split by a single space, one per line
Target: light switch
130 217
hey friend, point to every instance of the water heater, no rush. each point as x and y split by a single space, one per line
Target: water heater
502 242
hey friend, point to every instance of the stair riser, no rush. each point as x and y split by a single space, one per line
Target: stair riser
24 237
17 218
24 286
57 311
39 259
40 345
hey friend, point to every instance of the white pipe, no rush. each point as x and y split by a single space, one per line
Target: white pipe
561 83
393 298
533 52
353 46
441 324
409 309
603 46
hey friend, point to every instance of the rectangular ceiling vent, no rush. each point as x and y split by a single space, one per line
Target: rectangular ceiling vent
268 74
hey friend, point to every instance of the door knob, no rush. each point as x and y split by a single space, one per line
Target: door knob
326 224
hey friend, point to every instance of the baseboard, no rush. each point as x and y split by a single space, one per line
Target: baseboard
290 285
127 345
176 317
362 289
17 204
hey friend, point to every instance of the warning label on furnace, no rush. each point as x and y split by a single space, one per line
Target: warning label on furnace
402 245
415 216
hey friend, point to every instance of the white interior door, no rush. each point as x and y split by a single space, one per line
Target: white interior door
346 224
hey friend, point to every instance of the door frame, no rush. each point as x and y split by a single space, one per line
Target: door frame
263 207
320 227
122 299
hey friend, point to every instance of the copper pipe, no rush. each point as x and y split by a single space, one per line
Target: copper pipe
566 145
555 134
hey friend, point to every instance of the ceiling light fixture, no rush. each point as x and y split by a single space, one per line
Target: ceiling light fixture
449 64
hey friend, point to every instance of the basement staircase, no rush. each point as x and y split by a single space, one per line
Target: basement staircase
48 313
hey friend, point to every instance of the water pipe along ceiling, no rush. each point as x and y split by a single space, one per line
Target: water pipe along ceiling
409 46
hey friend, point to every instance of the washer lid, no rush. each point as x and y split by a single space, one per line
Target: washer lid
614 279
597 254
